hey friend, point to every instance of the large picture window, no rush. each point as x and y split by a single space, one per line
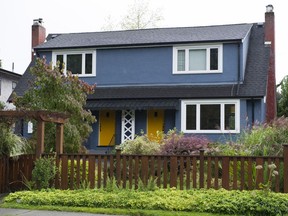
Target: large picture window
210 116
82 63
197 59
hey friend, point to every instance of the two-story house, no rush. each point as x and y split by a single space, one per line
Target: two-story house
209 80
8 82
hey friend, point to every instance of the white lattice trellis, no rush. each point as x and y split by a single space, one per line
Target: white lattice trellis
128 125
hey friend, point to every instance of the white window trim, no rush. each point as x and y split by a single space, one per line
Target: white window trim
184 103
189 47
83 52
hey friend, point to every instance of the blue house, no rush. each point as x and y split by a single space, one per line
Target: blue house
209 80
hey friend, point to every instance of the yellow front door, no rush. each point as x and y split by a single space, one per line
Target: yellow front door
106 128
155 122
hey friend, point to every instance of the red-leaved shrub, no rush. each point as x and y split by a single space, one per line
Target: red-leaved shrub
180 144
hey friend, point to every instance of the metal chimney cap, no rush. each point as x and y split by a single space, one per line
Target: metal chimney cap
269 8
38 21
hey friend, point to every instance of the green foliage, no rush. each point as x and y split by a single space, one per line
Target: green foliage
261 140
282 105
272 173
44 172
266 139
211 201
140 145
10 143
53 90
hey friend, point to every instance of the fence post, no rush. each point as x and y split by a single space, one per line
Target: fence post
201 169
285 156
118 167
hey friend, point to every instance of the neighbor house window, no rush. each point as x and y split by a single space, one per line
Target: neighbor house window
82 63
210 116
197 59
14 85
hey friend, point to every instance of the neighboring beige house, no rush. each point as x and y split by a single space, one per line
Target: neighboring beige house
8 82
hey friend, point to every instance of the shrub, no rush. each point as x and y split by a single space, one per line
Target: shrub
44 172
266 139
214 201
180 144
10 143
140 145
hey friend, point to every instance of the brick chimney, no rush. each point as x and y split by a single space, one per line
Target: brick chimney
38 34
271 108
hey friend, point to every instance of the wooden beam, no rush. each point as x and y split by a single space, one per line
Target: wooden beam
59 138
40 138
43 115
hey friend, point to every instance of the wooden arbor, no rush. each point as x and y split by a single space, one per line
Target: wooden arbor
41 117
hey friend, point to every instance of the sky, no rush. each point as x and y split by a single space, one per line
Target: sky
67 16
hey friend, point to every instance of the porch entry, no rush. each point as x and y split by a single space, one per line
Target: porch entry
155 122
107 123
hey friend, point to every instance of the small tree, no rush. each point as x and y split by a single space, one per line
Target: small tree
283 98
139 16
53 90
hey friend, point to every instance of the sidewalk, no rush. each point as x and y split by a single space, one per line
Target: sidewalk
27 212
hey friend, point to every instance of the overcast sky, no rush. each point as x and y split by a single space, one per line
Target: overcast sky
64 16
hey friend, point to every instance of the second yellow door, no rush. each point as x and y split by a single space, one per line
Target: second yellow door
155 122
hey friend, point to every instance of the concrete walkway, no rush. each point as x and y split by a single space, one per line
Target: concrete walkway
27 212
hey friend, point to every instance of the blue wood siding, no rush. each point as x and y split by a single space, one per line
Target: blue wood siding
92 141
169 120
134 66
140 121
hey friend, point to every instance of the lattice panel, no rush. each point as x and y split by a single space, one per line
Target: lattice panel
128 125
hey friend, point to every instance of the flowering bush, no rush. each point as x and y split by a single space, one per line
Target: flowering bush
266 139
180 144
140 145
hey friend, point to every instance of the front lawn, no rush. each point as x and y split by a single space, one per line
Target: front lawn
156 202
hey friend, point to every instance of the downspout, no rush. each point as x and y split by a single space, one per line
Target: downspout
253 110
238 68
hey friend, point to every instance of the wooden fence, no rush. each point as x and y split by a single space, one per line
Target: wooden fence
132 171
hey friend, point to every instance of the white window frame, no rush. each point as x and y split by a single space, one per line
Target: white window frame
71 52
191 47
222 104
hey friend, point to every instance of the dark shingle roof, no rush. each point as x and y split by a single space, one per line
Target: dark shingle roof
148 36
24 82
11 74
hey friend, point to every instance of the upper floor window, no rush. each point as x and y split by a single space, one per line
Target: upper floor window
197 59
82 63
210 116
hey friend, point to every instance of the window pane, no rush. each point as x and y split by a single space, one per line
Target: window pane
14 85
60 59
197 59
191 117
181 60
214 59
210 117
88 64
229 116
74 63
